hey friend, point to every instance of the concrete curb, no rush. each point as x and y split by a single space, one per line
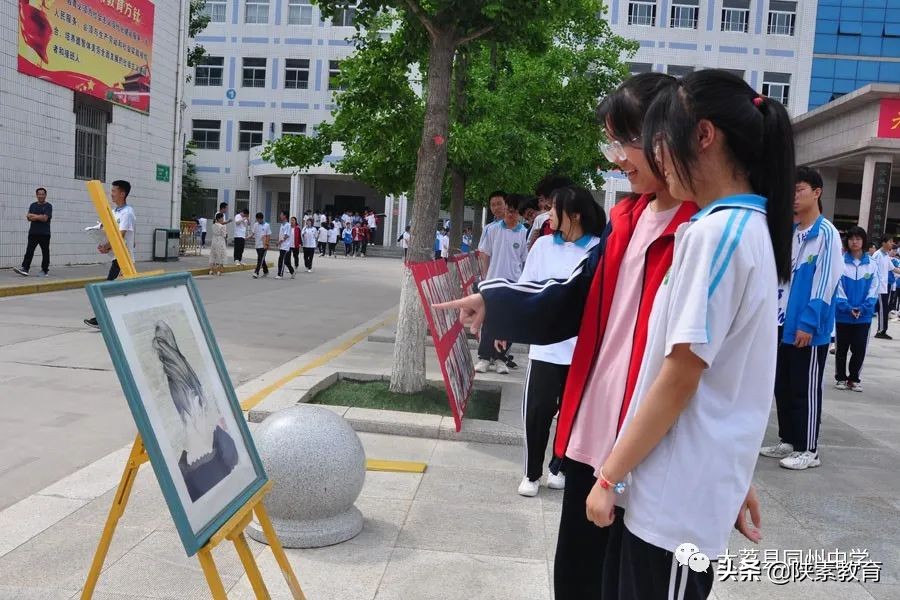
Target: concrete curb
404 423
41 287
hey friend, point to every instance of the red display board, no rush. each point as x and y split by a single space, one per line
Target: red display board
889 118
101 48
435 286
469 270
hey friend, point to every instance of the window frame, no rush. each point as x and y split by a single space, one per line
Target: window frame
305 9
207 10
244 144
298 125
771 28
297 70
207 67
255 68
91 137
677 6
746 20
205 143
332 72
341 18
632 18
258 5
784 97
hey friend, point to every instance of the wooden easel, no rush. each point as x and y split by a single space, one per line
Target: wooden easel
233 529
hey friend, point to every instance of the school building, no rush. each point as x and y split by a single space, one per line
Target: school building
79 101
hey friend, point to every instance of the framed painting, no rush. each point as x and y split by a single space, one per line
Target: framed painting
181 398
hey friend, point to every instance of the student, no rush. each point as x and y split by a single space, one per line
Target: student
261 233
223 208
497 204
241 222
543 191
285 240
322 237
348 242
404 241
882 258
217 247
372 224
203 225
466 245
805 324
356 233
857 296
895 291
577 222
444 241
437 244
125 221
333 229
504 246
365 235
309 235
295 243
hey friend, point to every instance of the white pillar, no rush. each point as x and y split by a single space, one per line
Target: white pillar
296 191
404 221
388 227
829 190
868 187
254 197
310 198
483 217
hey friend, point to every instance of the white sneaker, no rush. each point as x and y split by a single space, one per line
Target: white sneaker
278 277
292 275
21 271
309 270
482 366
529 488
841 385
799 461
501 367
779 450
255 276
855 387
556 482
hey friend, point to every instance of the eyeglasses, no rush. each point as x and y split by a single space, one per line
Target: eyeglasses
614 151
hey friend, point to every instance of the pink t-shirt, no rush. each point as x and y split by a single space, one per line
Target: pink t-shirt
594 431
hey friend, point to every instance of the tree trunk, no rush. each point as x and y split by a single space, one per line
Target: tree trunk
476 227
457 177
408 373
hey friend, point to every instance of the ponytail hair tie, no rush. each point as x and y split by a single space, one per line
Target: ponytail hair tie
758 101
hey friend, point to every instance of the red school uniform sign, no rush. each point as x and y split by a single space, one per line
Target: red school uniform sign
435 286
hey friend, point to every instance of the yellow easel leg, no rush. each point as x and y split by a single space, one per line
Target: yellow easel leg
250 566
278 550
212 574
135 460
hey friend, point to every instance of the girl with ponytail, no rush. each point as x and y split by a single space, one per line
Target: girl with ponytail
683 462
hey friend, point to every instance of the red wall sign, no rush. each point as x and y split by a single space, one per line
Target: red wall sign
435 286
889 118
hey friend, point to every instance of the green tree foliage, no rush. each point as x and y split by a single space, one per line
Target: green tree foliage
191 186
197 22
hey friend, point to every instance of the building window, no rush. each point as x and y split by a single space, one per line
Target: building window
777 86
735 72
215 10
296 73
334 74
678 70
642 13
637 68
736 16
209 72
254 72
685 14
209 203
293 129
782 16
299 12
257 11
344 17
241 200
91 119
250 134
206 134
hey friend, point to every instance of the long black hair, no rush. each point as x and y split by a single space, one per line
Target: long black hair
757 132
622 112
573 200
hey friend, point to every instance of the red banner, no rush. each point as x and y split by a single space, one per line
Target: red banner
469 270
889 118
435 286
98 47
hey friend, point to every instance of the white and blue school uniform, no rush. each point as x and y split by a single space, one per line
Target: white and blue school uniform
806 303
857 291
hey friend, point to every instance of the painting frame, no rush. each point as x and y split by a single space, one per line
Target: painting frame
193 537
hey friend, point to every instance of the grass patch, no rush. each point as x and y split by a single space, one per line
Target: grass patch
432 400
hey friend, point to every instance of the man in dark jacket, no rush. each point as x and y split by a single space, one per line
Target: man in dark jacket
39 215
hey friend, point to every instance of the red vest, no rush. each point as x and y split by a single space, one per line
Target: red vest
623 217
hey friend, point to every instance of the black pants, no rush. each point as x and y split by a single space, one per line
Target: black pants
323 246
487 351
882 311
331 246
284 258
363 245
35 240
798 394
261 261
855 338
544 384
308 254
202 239
894 299
295 253
114 271
348 248
239 248
356 248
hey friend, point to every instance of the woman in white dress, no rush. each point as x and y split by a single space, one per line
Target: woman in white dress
217 246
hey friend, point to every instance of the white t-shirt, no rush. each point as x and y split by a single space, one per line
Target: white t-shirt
333 235
371 221
202 221
125 220
309 236
884 266
784 289
404 240
346 219
718 298
323 235
260 230
507 250
240 226
550 258
445 246
285 236
317 219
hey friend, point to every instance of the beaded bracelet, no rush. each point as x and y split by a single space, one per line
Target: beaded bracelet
606 484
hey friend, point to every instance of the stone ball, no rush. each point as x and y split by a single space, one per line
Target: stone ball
318 466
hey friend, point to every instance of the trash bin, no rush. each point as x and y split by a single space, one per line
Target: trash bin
166 244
